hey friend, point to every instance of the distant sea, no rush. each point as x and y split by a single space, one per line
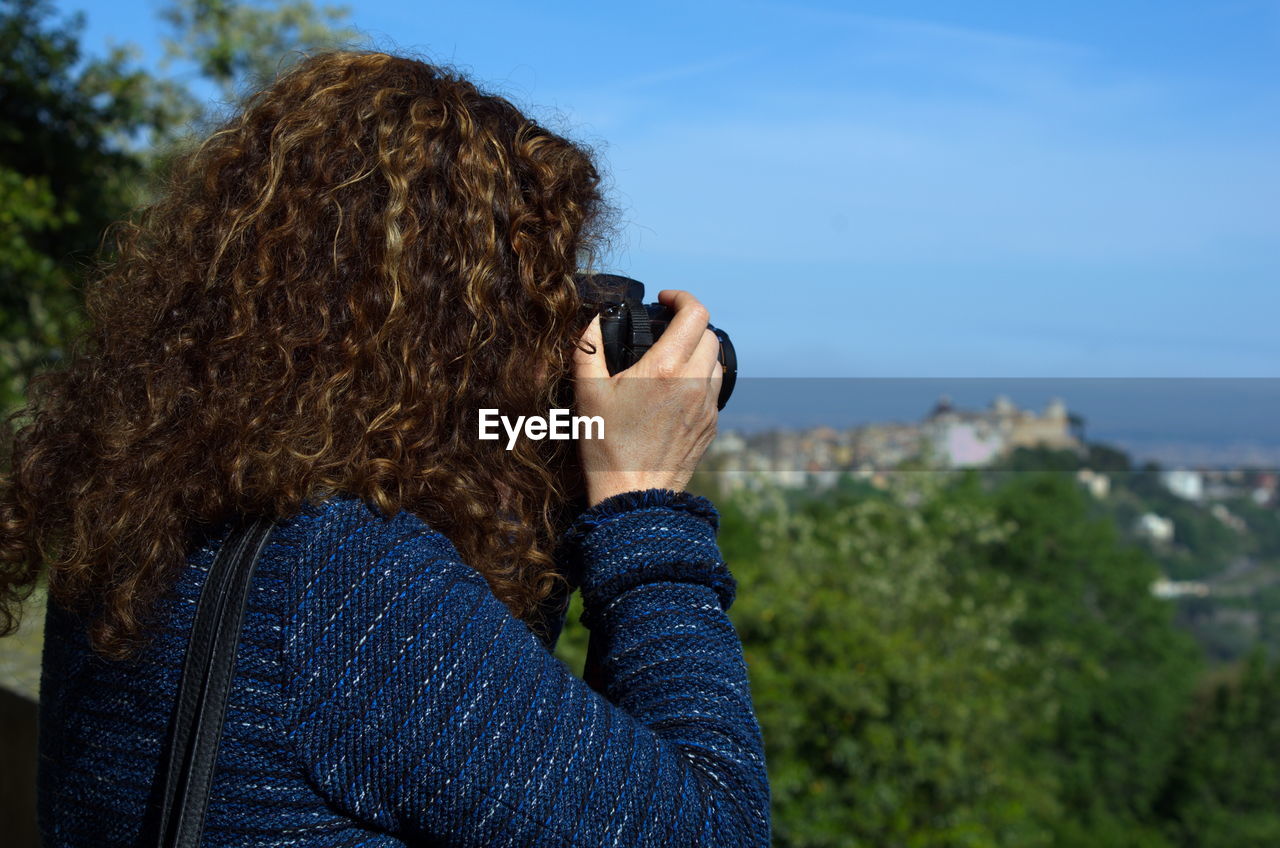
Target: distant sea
1202 422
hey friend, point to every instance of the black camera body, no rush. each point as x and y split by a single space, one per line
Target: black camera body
630 326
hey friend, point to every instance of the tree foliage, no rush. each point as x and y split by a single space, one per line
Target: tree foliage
63 178
234 44
1224 791
81 136
882 675
1121 671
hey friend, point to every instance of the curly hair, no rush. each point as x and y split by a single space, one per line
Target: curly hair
321 297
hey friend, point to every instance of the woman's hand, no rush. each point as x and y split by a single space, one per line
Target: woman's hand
660 414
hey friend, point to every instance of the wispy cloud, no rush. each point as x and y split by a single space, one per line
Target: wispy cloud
1062 158
890 28
658 76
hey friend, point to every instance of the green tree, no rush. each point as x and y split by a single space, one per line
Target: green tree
1120 671
1039 458
880 676
236 44
79 141
1224 791
64 176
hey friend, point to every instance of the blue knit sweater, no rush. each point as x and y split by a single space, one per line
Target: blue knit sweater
384 696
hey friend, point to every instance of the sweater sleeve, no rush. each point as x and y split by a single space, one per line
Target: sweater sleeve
420 706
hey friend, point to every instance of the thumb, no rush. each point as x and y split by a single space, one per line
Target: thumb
590 365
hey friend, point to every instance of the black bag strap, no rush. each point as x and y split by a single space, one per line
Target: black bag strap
186 763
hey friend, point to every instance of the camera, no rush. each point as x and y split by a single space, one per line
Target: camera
630 326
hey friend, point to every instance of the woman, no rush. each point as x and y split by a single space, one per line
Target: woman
304 326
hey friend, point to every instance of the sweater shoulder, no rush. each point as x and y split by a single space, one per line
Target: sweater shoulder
354 567
345 538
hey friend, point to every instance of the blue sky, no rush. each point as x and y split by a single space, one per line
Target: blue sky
909 189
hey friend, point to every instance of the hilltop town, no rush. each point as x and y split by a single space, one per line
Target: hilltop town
947 437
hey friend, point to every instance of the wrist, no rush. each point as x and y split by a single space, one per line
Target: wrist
601 487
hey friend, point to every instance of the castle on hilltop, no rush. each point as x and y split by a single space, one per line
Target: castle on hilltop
947 437
963 438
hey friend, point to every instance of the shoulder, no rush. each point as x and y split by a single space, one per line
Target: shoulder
346 537
357 568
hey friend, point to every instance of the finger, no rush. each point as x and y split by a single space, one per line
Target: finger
684 332
716 379
590 365
705 356
717 367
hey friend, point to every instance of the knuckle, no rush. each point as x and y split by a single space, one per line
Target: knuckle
666 369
